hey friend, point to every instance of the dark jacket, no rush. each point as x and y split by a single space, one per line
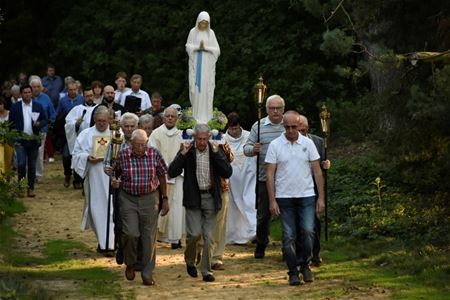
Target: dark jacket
219 166
318 142
16 117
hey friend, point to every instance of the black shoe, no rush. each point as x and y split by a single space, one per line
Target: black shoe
119 256
209 278
316 261
307 274
176 245
109 253
130 273
260 251
66 181
148 281
192 271
294 280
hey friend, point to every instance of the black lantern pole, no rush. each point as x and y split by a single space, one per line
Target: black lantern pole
116 142
325 122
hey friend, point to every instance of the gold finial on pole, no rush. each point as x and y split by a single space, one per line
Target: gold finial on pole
260 94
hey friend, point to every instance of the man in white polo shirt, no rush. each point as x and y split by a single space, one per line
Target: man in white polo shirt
291 161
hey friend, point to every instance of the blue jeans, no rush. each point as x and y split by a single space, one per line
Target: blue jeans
27 153
297 213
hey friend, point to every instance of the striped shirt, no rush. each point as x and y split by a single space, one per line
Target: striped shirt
140 173
268 132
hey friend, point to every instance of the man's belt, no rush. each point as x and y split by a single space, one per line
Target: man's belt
207 191
138 195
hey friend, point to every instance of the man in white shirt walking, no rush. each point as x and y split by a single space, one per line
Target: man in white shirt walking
291 161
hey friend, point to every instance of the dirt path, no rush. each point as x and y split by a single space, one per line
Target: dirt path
56 214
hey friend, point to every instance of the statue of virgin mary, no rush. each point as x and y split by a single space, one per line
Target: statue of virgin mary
203 51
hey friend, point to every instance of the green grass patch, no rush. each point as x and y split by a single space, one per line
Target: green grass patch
384 265
63 262
388 264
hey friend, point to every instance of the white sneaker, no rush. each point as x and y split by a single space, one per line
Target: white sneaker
51 159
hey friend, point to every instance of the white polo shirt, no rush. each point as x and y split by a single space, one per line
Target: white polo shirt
145 98
293 174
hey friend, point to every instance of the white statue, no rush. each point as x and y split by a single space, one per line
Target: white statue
203 51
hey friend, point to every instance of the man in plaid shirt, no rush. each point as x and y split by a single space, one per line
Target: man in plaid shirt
143 170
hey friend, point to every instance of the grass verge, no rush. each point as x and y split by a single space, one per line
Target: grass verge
64 271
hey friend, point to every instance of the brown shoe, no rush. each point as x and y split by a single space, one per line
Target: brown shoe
31 193
129 273
148 281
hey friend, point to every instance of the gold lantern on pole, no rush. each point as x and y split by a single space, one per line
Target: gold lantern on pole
260 95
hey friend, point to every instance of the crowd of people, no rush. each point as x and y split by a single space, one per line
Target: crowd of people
154 186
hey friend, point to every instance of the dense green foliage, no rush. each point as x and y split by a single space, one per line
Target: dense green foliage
95 39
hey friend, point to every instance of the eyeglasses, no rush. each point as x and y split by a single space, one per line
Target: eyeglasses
276 108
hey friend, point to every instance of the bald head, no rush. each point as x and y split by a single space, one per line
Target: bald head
108 92
291 122
138 134
139 142
291 115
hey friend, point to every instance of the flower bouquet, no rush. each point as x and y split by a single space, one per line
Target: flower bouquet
217 123
186 123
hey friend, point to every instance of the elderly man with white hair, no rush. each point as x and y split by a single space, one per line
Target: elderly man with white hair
87 157
271 127
143 173
46 103
165 138
204 164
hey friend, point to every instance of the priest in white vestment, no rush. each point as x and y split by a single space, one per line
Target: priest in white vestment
79 118
203 50
241 222
167 139
87 161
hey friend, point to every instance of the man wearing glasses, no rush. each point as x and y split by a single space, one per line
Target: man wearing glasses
271 127
295 159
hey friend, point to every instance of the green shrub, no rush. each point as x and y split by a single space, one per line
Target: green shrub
9 189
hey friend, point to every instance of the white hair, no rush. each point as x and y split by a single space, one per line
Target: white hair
201 128
15 89
272 98
129 116
101 110
35 78
170 108
304 119
145 119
